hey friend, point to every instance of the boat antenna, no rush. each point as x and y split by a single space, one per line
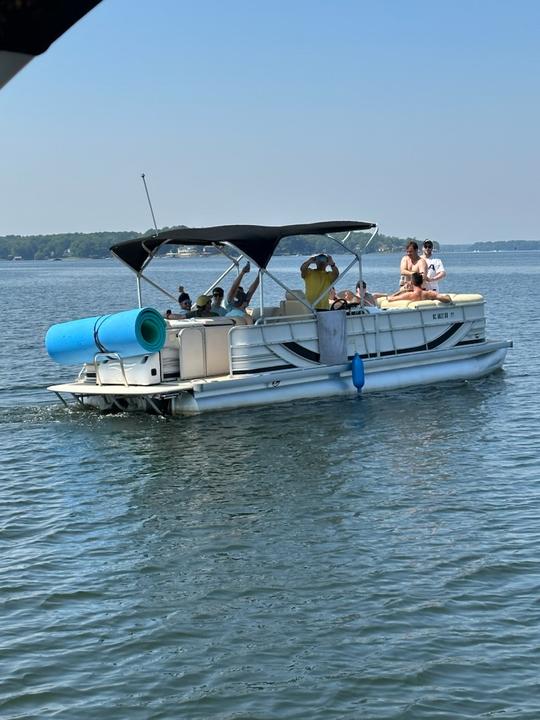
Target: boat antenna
149 202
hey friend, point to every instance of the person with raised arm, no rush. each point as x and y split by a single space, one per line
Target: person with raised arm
237 299
318 280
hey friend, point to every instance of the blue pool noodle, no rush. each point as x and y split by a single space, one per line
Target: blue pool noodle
128 333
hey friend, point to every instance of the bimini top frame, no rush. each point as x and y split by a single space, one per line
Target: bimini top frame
256 242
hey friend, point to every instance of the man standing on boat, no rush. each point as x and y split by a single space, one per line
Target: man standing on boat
435 267
319 280
411 263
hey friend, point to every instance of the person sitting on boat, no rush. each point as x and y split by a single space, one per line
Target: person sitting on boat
435 267
417 293
350 298
411 263
319 280
342 299
237 299
169 315
217 301
185 303
185 306
363 294
202 308
182 293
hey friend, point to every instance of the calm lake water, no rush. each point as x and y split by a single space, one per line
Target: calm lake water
374 557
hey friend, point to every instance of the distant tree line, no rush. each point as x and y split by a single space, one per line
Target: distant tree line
47 247
491 245
96 245
310 244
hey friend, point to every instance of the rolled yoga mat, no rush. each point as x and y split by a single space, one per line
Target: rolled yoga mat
128 333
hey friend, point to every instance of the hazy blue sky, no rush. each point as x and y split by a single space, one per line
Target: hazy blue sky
422 115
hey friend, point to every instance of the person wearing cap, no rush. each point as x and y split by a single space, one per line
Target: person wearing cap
217 300
435 267
319 280
237 299
202 308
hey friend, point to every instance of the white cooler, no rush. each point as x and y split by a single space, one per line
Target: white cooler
139 370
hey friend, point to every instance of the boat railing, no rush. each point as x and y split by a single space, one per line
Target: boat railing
371 331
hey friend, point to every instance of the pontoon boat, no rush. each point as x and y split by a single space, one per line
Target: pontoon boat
288 351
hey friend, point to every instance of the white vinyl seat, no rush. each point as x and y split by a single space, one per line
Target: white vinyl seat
268 311
295 294
294 307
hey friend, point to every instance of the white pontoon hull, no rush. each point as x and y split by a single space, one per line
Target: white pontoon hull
381 374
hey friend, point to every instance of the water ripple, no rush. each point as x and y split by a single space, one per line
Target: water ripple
372 557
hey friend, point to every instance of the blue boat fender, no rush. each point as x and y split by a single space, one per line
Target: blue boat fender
358 375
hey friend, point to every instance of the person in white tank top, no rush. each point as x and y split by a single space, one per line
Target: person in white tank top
435 267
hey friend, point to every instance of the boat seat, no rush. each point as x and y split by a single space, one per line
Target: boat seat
216 338
385 304
466 297
203 347
248 320
269 311
409 304
294 294
293 307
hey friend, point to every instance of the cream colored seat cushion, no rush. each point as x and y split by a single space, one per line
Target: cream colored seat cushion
293 307
466 297
294 294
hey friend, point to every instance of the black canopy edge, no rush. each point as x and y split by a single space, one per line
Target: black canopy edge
31 26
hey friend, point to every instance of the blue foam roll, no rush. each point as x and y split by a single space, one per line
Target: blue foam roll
128 333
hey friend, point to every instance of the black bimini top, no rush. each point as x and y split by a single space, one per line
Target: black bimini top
28 27
257 242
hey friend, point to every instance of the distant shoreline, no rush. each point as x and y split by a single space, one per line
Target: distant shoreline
90 246
443 251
